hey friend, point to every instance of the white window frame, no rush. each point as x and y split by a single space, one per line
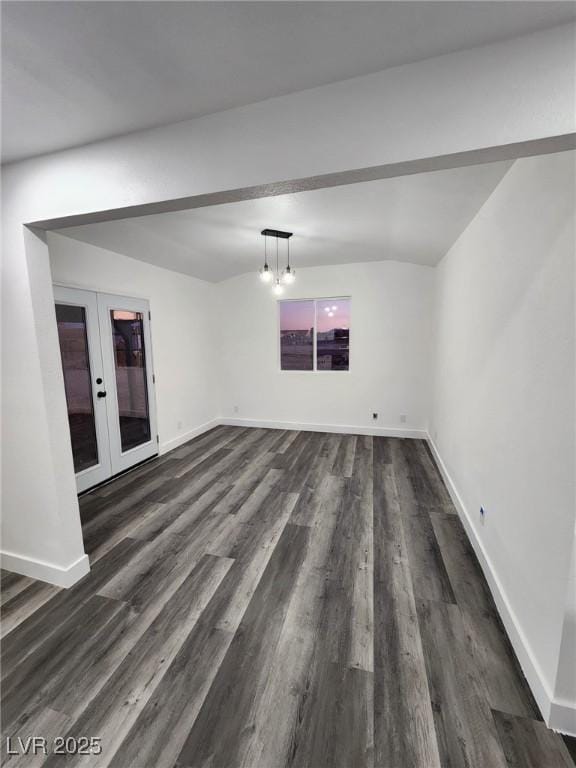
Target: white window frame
315 300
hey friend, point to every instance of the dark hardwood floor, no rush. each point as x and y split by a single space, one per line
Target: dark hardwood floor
263 598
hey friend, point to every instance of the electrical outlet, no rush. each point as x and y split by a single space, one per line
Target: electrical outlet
236 409
179 425
403 418
374 416
482 515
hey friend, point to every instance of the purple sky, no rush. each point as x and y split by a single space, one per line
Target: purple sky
299 315
341 315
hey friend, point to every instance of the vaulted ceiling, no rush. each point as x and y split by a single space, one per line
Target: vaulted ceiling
411 218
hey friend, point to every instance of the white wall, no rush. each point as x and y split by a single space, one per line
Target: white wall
187 383
389 358
41 533
503 413
215 371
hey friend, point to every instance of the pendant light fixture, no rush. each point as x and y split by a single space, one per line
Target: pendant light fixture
277 278
278 288
266 273
289 274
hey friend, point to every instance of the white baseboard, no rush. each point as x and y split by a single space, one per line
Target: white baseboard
563 717
176 442
344 429
43 571
560 716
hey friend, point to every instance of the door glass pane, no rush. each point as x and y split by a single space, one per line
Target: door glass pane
333 334
77 383
296 335
130 362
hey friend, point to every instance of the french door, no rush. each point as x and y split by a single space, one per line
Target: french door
106 351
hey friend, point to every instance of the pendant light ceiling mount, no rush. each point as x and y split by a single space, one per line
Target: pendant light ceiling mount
278 233
267 275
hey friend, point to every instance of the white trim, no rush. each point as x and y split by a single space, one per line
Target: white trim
563 717
88 301
176 442
314 301
39 569
107 303
558 715
344 429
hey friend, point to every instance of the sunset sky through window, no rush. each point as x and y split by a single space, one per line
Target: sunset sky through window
299 315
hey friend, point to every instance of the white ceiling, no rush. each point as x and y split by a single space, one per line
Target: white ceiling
75 72
411 218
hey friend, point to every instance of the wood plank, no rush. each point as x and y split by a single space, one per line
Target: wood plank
161 729
382 447
324 705
219 733
32 682
206 449
11 584
404 731
25 603
288 683
506 688
528 743
469 586
311 493
248 480
286 441
296 475
162 516
99 510
39 627
427 467
286 459
167 559
361 576
122 634
106 530
465 728
113 712
253 557
429 576
46 723
428 487
344 460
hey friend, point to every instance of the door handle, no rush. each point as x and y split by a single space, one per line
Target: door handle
101 394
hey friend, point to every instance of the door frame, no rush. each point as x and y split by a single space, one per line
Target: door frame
123 460
88 300
97 304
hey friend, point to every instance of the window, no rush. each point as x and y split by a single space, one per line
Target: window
297 335
332 334
315 335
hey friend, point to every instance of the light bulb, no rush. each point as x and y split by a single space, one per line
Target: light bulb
266 274
326 309
277 290
334 308
289 276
